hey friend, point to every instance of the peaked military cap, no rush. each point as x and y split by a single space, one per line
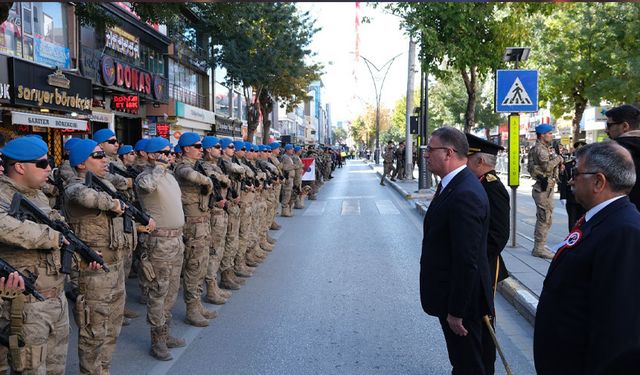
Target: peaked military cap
477 144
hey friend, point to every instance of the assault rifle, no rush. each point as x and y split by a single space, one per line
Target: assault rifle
217 187
22 209
29 281
129 173
59 184
131 213
232 190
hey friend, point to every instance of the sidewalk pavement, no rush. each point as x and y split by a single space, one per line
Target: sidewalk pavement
522 289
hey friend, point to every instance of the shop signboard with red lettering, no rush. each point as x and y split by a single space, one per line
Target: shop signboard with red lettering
162 130
125 103
122 75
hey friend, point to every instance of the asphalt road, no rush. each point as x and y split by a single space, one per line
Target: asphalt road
338 295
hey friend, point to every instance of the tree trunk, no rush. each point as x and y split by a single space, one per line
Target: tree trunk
266 107
470 85
253 120
4 10
579 106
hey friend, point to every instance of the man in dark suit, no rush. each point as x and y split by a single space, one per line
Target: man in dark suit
454 271
588 318
482 161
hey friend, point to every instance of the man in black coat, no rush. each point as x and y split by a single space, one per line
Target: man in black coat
574 209
623 125
454 271
588 318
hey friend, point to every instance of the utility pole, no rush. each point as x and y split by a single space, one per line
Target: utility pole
408 170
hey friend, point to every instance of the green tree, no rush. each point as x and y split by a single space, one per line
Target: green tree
339 135
264 49
586 53
466 38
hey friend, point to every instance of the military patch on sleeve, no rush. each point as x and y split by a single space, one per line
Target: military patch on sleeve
490 177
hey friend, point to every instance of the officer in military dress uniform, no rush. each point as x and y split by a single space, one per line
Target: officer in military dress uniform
544 165
482 162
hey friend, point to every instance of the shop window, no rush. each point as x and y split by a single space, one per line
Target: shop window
37 31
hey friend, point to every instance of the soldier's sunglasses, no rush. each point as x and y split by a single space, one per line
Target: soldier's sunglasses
40 163
217 146
98 155
164 152
112 141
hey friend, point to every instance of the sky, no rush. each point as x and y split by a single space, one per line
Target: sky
380 40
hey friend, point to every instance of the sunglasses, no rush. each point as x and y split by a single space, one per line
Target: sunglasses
131 153
231 147
217 146
112 141
98 155
164 152
40 163
197 145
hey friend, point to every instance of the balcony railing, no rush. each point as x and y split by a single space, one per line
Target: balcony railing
188 97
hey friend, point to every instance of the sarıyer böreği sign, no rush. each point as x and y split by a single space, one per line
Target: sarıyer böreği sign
38 86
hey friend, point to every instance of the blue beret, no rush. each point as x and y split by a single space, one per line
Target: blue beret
25 148
255 148
72 141
265 148
248 145
125 149
288 147
210 141
544 128
239 145
225 142
140 144
81 151
177 149
103 135
274 145
156 144
188 139
297 148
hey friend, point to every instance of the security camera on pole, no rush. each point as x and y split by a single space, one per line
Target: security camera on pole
516 91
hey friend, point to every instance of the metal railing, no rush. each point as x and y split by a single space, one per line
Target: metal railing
188 97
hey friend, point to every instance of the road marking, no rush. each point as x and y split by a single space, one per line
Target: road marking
386 207
315 209
350 208
342 197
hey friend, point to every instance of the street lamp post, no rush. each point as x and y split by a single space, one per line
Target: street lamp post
378 90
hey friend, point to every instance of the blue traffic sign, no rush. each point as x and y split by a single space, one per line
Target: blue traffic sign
516 91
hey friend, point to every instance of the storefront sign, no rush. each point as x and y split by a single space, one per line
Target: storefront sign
120 74
37 86
123 42
194 113
125 103
5 87
21 118
99 116
162 130
51 54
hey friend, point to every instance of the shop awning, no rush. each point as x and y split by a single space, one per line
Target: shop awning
23 118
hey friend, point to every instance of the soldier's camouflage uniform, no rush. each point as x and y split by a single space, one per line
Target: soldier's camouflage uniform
278 186
297 199
288 169
219 220
543 165
195 188
247 200
235 172
35 248
100 300
162 257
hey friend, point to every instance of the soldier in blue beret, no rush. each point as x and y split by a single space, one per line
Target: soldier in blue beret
544 165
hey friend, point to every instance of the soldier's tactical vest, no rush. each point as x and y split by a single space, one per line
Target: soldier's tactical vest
100 230
194 203
45 263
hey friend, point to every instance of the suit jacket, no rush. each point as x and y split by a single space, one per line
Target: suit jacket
454 271
498 224
588 318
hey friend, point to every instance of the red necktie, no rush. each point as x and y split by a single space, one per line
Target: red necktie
576 227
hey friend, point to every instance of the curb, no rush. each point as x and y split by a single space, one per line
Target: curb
520 297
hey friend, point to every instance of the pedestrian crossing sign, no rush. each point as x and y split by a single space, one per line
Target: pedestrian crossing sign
516 91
